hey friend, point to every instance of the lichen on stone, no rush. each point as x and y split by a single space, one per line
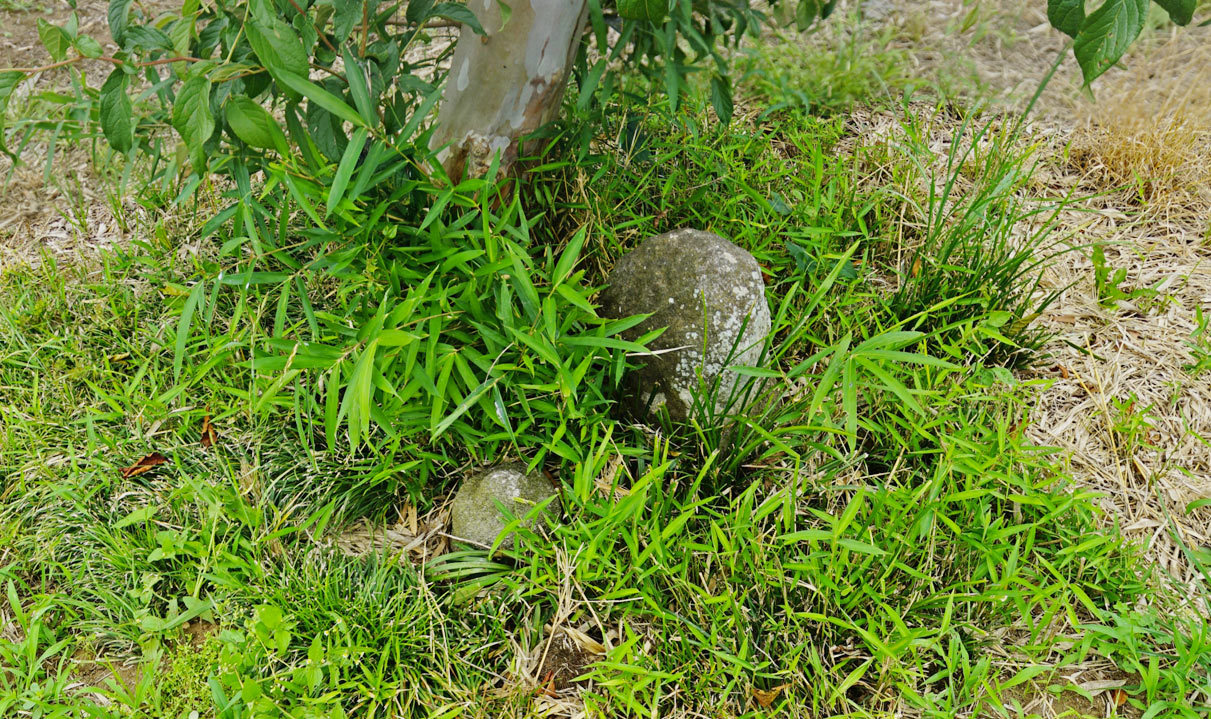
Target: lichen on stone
475 515
709 295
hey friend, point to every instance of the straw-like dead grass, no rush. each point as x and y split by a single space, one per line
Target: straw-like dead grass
1130 419
1150 130
64 215
1134 422
68 218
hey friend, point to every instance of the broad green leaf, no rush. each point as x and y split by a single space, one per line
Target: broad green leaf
568 259
231 71
721 98
321 97
181 33
854 545
598 21
323 133
332 419
359 393
463 406
891 384
348 13
851 512
396 338
650 10
1106 35
251 277
254 125
277 46
54 39
806 13
755 372
672 73
849 402
458 13
601 342
143 37
589 83
1180 11
14 602
1067 16
192 119
808 535
183 329
897 338
117 122
421 113
119 11
344 171
88 47
359 89
249 121
418 10
828 380
9 80
140 515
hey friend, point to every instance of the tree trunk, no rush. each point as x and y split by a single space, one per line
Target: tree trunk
506 84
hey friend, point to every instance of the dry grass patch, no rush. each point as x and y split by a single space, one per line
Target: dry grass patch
1125 402
1151 131
1133 422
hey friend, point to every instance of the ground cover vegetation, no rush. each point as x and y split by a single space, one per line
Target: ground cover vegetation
226 448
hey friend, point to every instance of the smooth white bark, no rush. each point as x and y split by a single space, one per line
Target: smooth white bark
507 84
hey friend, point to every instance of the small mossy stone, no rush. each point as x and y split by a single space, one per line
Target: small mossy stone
475 515
710 295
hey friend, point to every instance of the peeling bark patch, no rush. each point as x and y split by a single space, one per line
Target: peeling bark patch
473 156
502 90
464 75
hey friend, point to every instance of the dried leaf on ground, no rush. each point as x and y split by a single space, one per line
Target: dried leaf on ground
144 465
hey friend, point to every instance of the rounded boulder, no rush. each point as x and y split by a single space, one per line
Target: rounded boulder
710 296
475 513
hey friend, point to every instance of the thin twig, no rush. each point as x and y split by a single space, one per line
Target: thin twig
437 24
106 58
318 31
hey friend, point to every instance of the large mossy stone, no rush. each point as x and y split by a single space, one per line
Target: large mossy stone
710 295
475 513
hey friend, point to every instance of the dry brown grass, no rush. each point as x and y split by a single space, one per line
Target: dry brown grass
1131 421
65 216
1150 130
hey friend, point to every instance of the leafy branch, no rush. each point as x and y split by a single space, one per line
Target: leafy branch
104 58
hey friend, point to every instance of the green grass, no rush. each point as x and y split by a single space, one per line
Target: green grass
855 63
866 541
